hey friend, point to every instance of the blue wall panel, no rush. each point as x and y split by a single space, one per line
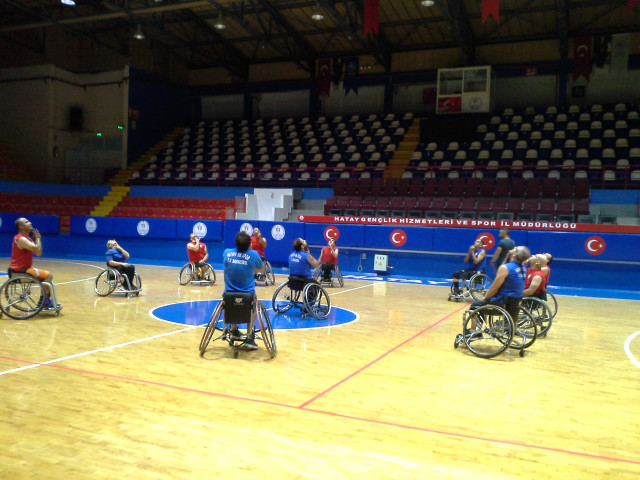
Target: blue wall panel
414 238
617 246
459 239
349 235
278 250
94 226
43 223
184 228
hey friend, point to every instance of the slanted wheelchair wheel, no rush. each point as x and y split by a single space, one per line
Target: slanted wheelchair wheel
106 282
266 330
540 312
339 276
526 331
137 284
22 297
478 285
269 276
316 301
487 331
283 298
317 272
210 276
552 302
186 274
211 328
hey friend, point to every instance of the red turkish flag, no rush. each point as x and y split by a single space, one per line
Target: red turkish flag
449 105
490 8
582 58
371 16
323 76
631 4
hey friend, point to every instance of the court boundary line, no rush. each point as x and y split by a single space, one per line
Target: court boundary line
627 342
376 360
340 415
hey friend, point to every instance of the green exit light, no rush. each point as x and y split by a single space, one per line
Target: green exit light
120 127
98 134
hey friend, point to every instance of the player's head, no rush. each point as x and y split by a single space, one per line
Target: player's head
504 232
23 225
111 243
331 243
256 232
520 254
193 237
243 241
478 244
537 262
298 244
549 257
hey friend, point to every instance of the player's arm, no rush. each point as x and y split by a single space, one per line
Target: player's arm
34 245
496 255
260 265
334 252
469 254
193 246
501 275
477 259
206 254
535 283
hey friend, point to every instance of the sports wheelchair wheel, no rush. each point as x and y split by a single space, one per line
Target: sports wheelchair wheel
336 275
540 311
107 282
266 330
137 285
211 327
22 297
551 302
316 301
526 331
284 298
339 276
186 274
487 331
478 285
269 276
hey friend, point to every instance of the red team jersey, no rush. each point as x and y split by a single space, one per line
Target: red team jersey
327 256
536 273
196 257
21 258
257 246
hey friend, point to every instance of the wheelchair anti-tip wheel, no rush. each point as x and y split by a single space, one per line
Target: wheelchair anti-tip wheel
526 331
552 302
106 282
316 301
478 285
541 313
266 330
487 331
22 297
211 328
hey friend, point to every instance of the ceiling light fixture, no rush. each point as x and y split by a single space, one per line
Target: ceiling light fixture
317 14
220 24
427 3
138 35
71 3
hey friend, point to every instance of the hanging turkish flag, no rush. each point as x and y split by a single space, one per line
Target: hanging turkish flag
491 8
371 16
323 75
581 58
631 4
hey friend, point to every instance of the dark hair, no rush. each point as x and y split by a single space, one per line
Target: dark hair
243 241
297 244
549 258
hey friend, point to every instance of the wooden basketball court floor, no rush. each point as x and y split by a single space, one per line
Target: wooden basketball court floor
107 391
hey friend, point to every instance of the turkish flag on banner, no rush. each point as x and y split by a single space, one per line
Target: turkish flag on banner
371 16
631 4
581 58
323 75
449 105
491 8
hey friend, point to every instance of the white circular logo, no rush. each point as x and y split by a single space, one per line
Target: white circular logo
91 225
301 218
143 227
200 229
277 232
247 228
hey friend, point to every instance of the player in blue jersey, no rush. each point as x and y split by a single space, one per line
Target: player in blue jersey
476 260
240 266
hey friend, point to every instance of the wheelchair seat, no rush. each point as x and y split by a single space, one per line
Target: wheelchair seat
238 307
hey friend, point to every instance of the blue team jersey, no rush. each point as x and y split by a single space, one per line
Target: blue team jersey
115 255
513 285
477 266
299 265
239 270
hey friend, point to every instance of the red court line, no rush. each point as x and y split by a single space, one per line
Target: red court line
373 362
340 415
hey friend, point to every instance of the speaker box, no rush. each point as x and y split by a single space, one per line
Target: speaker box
76 119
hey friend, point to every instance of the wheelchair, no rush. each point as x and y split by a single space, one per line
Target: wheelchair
24 296
540 311
111 280
191 274
336 276
309 297
234 309
268 277
552 302
472 289
489 330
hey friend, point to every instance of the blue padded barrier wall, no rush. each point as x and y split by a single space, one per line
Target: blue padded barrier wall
278 248
43 223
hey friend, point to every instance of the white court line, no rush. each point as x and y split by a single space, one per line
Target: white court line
103 349
627 342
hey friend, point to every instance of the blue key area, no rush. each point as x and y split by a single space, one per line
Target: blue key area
198 313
